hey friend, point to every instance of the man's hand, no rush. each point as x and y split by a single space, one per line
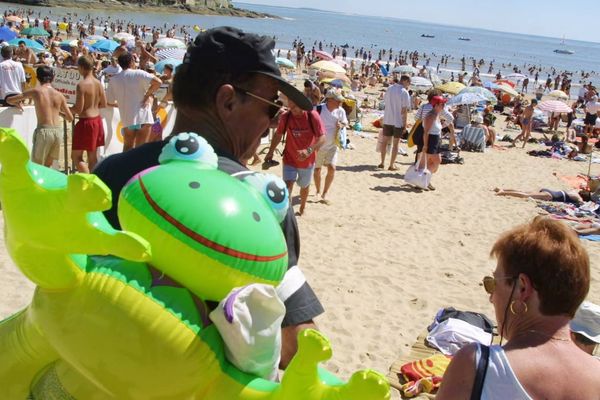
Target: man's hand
303 154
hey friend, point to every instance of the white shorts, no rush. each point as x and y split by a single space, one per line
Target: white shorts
326 156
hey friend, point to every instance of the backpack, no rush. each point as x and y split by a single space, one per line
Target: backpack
310 119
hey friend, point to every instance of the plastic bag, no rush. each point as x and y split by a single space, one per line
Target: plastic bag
249 321
418 177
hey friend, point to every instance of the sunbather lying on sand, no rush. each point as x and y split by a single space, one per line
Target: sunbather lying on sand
571 196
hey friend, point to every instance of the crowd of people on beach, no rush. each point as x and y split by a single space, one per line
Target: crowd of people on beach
542 275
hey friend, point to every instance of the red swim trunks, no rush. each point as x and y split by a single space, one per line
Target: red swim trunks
88 134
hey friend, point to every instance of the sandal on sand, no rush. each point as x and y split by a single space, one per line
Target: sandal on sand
269 163
392 168
380 166
325 201
430 187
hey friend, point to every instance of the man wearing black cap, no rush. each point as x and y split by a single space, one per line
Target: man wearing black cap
226 90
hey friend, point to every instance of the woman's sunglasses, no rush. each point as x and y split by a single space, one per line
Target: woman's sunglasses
274 106
489 283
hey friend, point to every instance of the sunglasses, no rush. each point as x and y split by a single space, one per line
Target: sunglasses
489 282
274 106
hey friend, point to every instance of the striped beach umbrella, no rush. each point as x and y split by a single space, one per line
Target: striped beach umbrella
420 83
169 43
323 55
405 69
175 53
466 98
489 96
328 66
554 106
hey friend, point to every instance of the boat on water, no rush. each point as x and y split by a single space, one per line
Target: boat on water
563 49
464 38
427 36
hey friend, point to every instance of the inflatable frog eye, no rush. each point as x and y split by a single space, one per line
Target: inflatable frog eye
189 146
272 189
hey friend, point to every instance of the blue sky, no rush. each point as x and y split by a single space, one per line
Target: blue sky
574 19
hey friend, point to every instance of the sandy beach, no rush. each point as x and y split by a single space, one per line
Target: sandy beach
383 258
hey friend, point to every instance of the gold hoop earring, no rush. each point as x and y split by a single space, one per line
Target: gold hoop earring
512 308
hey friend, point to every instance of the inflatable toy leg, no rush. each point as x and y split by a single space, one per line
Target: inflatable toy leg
302 380
23 352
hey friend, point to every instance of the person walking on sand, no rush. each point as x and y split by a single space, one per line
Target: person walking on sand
397 103
304 136
88 133
49 105
132 91
526 122
334 118
12 76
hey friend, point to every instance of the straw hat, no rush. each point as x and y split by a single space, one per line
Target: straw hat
587 321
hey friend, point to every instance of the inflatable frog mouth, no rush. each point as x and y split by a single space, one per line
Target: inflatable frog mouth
199 238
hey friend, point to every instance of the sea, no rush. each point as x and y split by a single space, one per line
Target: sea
374 33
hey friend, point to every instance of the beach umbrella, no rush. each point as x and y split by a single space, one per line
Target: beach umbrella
328 66
515 77
554 106
323 55
489 96
420 83
506 81
160 66
95 38
105 46
466 98
559 95
35 31
123 36
13 18
284 63
451 87
405 69
7 34
169 43
507 89
490 85
163 54
32 44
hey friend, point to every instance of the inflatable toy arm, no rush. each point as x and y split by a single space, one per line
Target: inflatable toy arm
50 217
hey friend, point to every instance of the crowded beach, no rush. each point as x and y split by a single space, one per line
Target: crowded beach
448 209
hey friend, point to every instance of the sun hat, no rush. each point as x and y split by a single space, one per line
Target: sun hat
587 321
230 50
478 119
334 94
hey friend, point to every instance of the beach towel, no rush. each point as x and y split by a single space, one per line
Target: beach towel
418 126
427 367
452 334
592 238
576 182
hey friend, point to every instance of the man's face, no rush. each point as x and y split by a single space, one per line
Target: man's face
250 117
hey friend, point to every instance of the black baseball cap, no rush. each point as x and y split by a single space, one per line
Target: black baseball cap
228 49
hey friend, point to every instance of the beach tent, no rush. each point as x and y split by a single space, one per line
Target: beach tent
451 87
6 33
32 44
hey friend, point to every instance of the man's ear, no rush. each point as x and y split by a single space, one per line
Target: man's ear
225 101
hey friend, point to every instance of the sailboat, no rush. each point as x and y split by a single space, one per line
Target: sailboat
563 50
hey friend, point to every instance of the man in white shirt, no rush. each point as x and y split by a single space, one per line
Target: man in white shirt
12 76
397 103
333 117
592 108
132 91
